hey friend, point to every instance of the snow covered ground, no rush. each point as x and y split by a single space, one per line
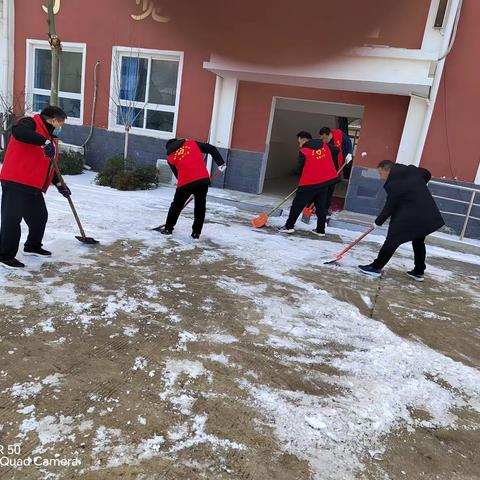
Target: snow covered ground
239 356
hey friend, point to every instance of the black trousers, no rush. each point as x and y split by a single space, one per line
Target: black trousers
305 197
390 246
17 204
181 196
330 192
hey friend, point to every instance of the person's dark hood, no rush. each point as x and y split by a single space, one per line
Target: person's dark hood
314 144
175 145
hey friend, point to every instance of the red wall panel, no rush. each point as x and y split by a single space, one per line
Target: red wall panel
102 25
453 143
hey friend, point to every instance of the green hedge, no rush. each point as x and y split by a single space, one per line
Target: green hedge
115 175
71 163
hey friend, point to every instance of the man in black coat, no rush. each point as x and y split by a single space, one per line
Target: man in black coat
413 215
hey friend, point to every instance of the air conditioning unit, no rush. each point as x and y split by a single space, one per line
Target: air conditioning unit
165 173
70 148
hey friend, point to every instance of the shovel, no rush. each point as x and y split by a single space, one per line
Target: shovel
309 211
262 219
349 247
82 237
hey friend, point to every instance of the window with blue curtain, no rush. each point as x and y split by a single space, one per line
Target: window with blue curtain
147 96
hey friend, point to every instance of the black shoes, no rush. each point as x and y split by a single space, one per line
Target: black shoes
36 252
416 276
165 231
286 229
370 270
11 263
318 233
196 236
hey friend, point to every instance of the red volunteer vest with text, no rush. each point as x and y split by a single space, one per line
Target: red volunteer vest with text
27 164
319 166
189 162
337 135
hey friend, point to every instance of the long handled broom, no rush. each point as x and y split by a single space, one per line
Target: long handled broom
262 219
350 246
308 211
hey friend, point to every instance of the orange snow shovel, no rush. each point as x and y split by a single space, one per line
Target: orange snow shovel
262 219
350 246
310 210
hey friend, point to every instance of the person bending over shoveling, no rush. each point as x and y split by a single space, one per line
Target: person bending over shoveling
317 166
413 215
185 158
26 174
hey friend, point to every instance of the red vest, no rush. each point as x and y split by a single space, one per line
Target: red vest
27 164
189 162
338 141
319 166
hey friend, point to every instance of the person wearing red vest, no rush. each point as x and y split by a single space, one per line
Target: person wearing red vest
342 141
317 163
26 174
186 159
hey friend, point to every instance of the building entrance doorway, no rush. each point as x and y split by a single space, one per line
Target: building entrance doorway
288 117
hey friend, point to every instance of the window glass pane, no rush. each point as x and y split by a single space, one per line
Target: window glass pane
40 102
157 120
130 116
71 72
42 69
70 106
163 82
133 78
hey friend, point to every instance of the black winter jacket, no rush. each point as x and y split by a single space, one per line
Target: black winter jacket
410 206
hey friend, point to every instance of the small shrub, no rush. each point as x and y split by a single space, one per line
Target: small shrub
125 181
112 167
2 155
71 163
147 177
139 178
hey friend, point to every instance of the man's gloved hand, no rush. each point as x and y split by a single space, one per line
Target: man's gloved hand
223 167
349 158
63 190
374 226
49 149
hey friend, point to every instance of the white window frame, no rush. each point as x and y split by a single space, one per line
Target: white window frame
150 54
30 72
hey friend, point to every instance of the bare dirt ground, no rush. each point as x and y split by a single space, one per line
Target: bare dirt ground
133 363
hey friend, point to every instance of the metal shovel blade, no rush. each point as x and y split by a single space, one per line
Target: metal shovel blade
333 261
87 240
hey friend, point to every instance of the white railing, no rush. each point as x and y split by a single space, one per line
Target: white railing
470 203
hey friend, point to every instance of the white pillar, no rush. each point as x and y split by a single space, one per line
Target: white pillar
223 114
416 115
420 111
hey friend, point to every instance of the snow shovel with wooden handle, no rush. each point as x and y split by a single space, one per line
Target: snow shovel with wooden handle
262 219
308 211
349 247
82 237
